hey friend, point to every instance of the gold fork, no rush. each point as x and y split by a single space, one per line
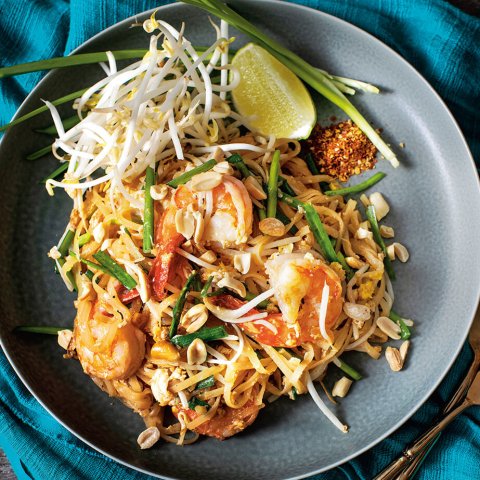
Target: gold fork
406 465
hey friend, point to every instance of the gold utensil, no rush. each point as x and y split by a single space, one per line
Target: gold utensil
405 461
474 340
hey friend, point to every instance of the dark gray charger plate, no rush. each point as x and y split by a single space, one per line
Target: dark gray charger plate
435 203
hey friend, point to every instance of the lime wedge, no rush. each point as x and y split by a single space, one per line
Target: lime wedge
271 96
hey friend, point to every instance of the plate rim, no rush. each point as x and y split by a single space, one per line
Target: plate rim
471 163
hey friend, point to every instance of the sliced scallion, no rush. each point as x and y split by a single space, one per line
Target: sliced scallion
273 185
187 176
148 211
68 123
208 334
40 153
84 239
350 371
319 233
38 111
285 186
357 188
404 330
57 172
38 329
312 166
196 402
237 161
206 287
115 270
180 303
206 383
372 218
69 61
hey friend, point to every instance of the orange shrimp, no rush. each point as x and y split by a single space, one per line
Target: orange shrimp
106 350
298 281
230 224
227 421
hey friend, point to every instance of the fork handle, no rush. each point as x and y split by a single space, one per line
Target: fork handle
396 467
467 381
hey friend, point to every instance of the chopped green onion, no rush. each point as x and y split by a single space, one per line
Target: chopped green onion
196 402
38 329
39 153
237 161
61 169
294 393
316 226
38 111
262 213
66 242
312 166
68 123
289 200
69 61
84 239
93 265
185 177
250 296
357 188
215 293
89 274
148 211
206 383
115 270
404 330
273 185
197 284
319 233
348 270
63 250
285 186
208 334
180 303
207 286
309 74
372 218
350 371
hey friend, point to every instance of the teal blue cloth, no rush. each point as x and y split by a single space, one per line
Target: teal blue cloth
442 42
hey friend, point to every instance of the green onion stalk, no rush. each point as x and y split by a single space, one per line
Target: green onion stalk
180 303
272 188
114 269
148 212
370 182
207 334
187 176
309 74
67 98
372 218
404 330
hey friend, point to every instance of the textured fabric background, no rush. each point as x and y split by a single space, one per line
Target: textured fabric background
442 42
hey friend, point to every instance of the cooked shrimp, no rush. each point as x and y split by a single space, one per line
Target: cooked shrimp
299 281
107 350
230 224
227 421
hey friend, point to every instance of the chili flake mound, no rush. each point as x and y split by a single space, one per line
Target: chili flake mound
342 150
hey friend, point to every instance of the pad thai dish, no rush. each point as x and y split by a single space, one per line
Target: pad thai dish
218 268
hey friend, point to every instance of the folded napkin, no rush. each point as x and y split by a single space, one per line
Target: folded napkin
441 41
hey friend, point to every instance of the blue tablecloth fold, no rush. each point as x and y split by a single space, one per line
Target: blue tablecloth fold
441 41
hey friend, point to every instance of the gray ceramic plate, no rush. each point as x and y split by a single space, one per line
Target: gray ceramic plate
435 199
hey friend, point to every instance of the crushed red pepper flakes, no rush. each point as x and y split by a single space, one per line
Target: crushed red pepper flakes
342 150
